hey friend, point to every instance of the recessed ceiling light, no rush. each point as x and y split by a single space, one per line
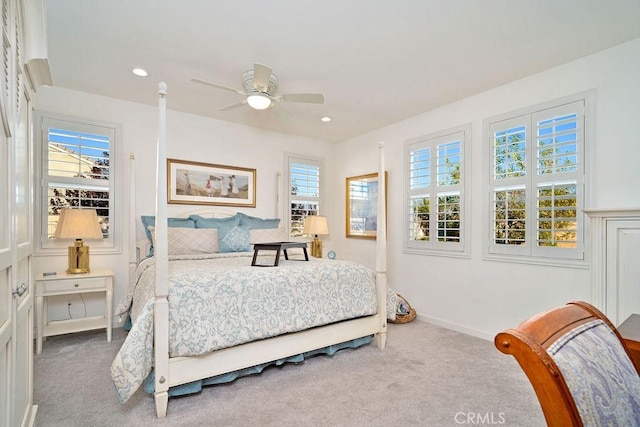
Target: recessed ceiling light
325 119
139 72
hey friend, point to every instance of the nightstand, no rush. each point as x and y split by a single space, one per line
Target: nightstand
99 280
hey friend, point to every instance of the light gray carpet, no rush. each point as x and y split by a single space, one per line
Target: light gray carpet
427 376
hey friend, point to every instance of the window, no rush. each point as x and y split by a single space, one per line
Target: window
77 172
536 182
435 171
304 189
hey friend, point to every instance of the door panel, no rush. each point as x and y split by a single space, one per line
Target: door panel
623 269
5 374
6 299
22 390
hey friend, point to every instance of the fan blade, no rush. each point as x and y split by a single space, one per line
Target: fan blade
280 112
310 98
234 106
261 76
204 82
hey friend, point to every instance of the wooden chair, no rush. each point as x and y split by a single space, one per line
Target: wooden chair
578 366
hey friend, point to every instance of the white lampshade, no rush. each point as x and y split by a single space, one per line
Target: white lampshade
315 224
258 101
78 224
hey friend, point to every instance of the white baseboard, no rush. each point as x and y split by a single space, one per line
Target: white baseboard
455 327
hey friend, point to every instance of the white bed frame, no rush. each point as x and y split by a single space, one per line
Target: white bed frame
173 371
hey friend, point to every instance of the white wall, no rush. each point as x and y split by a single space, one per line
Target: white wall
483 297
189 137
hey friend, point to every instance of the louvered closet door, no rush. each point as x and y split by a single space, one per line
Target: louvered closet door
6 238
22 393
6 283
16 230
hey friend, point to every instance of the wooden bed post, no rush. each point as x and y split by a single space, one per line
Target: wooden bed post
160 248
381 250
279 207
133 253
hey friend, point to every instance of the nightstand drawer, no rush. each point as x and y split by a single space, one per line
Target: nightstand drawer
83 284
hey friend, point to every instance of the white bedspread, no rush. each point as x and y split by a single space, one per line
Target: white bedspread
219 300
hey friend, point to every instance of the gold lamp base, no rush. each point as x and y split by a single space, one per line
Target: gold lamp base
316 247
78 258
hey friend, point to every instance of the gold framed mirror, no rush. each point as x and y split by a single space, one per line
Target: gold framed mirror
362 205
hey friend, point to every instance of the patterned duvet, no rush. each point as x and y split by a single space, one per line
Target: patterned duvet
219 300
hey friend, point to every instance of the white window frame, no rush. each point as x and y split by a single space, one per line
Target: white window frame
531 253
43 120
433 246
291 158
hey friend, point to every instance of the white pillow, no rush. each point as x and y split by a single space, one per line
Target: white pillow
267 235
187 241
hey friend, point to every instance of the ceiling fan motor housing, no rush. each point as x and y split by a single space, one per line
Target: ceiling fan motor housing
248 84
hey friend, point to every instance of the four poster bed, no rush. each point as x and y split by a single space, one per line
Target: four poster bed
185 308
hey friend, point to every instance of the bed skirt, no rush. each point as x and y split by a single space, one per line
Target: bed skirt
196 386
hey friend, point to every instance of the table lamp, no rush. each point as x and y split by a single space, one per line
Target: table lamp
78 224
316 224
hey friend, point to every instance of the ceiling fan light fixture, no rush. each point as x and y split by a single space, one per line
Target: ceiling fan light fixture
258 101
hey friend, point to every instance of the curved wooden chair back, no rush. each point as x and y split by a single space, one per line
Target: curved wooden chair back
578 365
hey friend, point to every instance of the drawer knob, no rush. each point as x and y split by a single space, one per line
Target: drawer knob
76 285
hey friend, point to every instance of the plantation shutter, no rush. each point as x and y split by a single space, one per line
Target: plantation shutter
419 193
304 192
435 190
509 177
558 181
77 171
537 183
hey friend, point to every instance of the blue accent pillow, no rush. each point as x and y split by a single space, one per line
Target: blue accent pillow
258 223
150 220
202 222
234 237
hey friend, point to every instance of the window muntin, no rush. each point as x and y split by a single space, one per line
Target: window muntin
509 216
509 155
449 161
537 183
419 167
419 208
435 170
449 229
558 145
557 217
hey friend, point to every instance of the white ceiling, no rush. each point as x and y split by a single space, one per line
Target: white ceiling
376 61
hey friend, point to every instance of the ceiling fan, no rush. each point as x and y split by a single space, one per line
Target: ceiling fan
260 87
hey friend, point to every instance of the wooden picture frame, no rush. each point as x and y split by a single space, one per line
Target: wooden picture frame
196 183
361 205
